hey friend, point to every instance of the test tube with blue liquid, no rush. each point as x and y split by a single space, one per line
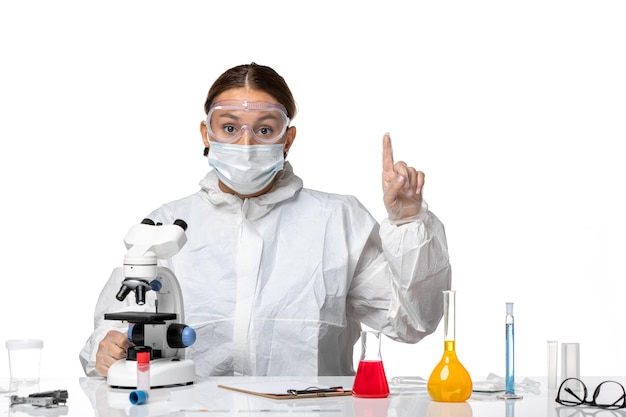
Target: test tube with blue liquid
509 379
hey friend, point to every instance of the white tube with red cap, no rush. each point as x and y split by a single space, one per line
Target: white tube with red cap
141 394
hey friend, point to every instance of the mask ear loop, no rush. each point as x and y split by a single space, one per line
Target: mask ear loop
206 148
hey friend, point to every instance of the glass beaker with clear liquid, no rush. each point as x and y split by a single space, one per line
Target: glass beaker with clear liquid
370 380
449 381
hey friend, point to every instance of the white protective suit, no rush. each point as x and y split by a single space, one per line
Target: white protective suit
279 284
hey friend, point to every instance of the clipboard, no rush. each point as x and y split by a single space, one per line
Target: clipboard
285 390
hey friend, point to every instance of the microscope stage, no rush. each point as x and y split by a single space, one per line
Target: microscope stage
141 317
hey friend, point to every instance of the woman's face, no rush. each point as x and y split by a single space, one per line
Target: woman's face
241 118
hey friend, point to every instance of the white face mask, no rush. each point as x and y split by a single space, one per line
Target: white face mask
246 169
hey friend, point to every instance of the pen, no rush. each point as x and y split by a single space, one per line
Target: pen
314 390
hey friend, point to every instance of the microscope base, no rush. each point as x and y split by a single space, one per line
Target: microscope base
163 372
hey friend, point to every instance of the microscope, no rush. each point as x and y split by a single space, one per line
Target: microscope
162 331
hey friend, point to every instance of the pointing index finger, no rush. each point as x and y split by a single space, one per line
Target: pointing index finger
387 153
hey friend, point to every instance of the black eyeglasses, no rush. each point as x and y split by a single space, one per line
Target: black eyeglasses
609 395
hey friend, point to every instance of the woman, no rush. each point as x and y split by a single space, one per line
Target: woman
277 278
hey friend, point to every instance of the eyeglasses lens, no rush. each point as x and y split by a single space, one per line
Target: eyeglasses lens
572 392
609 394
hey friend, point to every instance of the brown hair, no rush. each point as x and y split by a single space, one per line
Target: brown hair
256 77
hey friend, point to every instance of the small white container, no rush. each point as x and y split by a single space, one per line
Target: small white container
24 361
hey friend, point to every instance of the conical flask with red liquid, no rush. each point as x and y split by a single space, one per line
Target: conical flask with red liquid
370 380
449 381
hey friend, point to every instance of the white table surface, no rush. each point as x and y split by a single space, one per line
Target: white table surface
92 397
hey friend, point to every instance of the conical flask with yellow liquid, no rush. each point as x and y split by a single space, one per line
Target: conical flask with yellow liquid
449 381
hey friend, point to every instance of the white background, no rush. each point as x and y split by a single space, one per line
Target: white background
515 111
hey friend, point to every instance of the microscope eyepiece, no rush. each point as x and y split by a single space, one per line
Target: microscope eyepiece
178 222
181 223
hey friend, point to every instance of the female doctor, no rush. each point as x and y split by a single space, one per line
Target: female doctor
277 278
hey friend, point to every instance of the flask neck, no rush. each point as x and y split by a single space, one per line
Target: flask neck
449 315
449 346
370 346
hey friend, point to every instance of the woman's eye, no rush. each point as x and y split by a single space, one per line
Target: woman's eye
229 129
265 131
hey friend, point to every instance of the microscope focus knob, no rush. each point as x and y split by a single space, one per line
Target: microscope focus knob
180 336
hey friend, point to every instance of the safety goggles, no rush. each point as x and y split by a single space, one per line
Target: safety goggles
229 119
